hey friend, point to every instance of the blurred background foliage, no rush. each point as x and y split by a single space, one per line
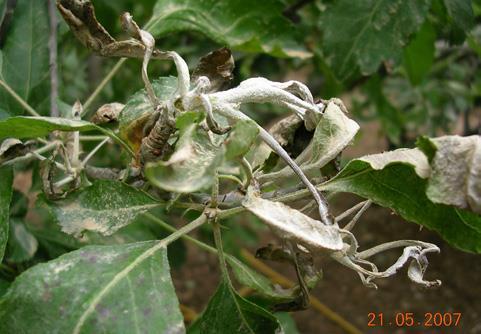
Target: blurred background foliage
411 65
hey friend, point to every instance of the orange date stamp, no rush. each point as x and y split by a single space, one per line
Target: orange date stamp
410 319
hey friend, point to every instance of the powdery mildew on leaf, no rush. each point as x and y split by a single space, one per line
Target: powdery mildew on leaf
362 34
104 207
398 180
293 225
191 167
413 157
333 134
246 25
456 172
114 289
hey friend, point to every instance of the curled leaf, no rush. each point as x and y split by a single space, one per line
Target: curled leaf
415 250
191 167
293 225
333 133
455 177
107 113
218 66
12 148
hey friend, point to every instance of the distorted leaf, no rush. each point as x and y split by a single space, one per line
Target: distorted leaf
6 180
104 207
80 16
378 33
333 134
115 289
455 177
107 113
218 66
245 25
191 167
398 180
138 110
25 65
291 224
22 245
12 148
227 312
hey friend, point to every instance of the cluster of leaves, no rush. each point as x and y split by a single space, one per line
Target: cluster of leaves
104 236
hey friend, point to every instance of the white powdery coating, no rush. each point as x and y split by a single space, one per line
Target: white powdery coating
291 224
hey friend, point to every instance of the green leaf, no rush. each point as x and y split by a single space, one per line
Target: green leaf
54 242
363 34
22 245
245 25
456 172
261 284
138 110
191 167
461 12
97 289
240 139
419 54
25 65
6 180
104 207
3 286
31 127
227 312
288 324
333 134
398 180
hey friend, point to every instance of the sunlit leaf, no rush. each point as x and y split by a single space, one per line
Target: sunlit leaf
114 289
104 207
245 25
